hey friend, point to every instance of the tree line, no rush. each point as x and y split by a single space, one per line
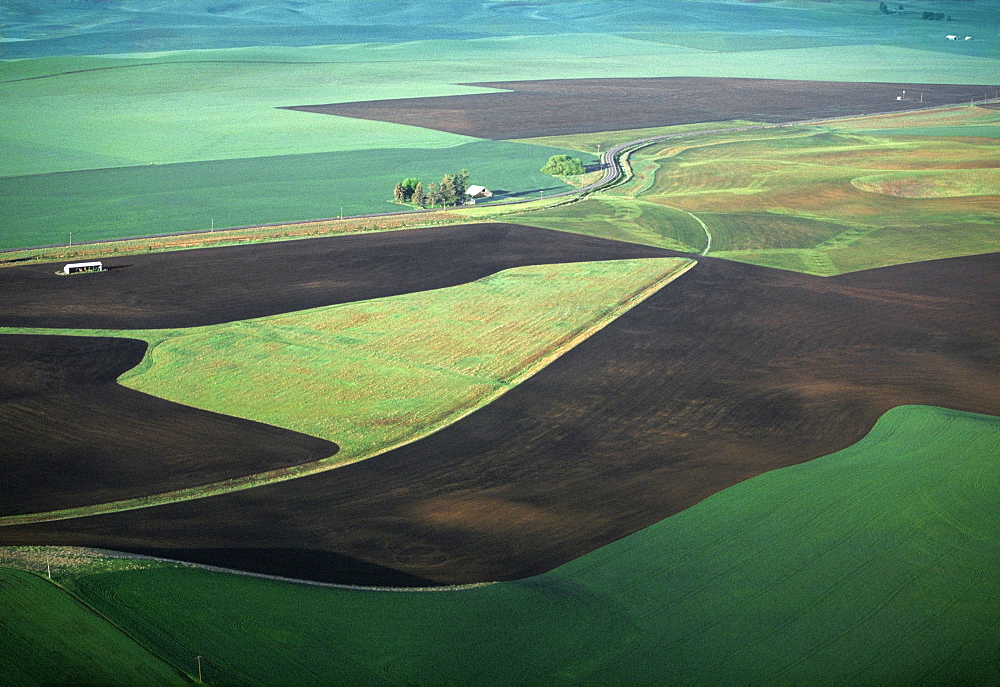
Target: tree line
449 191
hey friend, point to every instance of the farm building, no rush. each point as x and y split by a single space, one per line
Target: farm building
476 192
75 267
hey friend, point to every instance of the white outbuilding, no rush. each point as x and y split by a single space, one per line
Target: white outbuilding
476 192
76 267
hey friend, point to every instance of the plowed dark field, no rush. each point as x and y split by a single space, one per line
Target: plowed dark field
570 106
71 436
728 372
199 287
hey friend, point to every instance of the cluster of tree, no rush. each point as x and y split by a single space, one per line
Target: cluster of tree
884 9
449 191
563 166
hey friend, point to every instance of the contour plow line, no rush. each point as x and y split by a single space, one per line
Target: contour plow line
704 227
332 462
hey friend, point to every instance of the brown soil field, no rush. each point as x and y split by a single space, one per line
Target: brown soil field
567 106
730 371
72 436
209 286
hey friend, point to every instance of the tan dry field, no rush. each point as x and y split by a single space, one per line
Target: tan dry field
527 109
730 371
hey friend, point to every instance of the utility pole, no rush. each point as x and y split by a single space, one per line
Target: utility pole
199 669
212 230
71 239
48 567
341 213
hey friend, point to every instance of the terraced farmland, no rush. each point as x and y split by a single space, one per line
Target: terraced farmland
823 199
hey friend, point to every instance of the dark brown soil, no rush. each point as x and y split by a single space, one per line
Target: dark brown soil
199 287
571 106
71 436
728 372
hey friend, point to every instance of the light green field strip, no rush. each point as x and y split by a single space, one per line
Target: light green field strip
222 104
951 183
41 209
877 564
954 121
375 375
49 637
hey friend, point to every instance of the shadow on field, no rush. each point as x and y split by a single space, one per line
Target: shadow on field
288 562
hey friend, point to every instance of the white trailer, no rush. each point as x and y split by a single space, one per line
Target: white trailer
75 267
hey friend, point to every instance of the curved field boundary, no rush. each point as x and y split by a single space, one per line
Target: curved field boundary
874 564
333 462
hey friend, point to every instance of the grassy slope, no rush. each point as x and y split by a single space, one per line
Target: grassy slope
798 198
50 637
377 373
875 564
147 200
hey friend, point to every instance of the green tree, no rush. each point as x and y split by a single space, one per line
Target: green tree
461 185
563 165
399 193
448 190
433 195
418 196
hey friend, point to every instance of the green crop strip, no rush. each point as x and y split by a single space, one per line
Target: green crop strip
146 200
378 374
875 564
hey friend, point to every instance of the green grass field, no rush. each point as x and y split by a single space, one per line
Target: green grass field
49 637
636 221
185 106
950 183
822 199
876 564
376 374
146 200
